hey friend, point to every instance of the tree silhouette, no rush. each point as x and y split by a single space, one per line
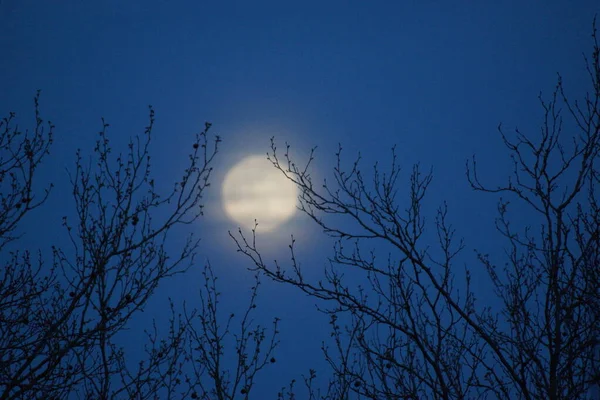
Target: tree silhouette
20 157
413 329
60 320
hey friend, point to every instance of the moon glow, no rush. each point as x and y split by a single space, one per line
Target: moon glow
254 189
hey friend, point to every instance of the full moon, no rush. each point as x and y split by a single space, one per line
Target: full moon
254 189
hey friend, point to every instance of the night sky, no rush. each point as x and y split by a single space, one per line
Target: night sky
433 78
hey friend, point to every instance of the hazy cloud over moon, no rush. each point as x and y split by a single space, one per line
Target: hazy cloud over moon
254 189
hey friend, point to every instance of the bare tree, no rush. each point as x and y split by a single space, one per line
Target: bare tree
60 321
216 374
413 329
20 156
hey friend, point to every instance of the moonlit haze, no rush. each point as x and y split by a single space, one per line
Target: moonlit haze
350 79
254 190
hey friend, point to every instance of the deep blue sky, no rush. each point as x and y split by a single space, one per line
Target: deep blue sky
433 77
